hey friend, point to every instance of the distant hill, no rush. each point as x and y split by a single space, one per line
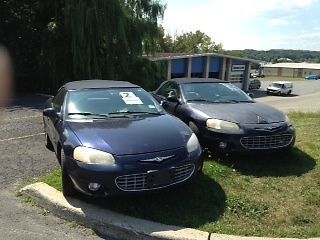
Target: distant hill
277 55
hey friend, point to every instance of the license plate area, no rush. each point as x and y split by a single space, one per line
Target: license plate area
159 178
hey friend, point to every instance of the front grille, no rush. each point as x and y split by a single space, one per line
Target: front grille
140 181
266 142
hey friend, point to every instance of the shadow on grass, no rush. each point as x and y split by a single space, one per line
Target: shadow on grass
191 205
282 164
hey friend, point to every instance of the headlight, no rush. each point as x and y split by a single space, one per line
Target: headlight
222 125
92 156
193 143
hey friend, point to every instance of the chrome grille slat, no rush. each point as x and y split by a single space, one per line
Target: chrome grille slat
138 182
266 142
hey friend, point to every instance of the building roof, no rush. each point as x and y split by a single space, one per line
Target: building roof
170 56
294 65
91 84
196 80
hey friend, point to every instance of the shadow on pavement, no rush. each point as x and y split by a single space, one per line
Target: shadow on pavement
191 205
289 163
32 102
259 93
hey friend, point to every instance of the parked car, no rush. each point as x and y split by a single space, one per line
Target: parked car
280 88
254 84
112 137
224 118
312 77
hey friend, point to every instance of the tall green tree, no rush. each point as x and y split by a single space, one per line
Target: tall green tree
63 40
191 42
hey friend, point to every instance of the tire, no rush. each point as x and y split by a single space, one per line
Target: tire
289 92
68 188
48 143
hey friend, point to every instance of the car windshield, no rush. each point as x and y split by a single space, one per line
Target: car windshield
111 102
214 93
277 85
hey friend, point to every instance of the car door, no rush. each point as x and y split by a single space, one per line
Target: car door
55 122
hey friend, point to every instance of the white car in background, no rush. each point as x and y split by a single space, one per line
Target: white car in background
280 88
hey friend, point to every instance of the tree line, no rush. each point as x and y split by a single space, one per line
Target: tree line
55 41
278 55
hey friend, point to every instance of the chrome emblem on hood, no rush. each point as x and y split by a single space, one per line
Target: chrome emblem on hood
157 159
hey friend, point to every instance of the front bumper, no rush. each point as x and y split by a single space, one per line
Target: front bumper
129 175
250 140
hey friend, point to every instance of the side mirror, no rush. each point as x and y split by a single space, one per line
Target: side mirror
164 104
251 95
173 99
50 112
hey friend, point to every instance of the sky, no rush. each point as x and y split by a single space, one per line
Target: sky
248 24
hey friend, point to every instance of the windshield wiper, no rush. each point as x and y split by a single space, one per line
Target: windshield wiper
97 114
199 100
139 112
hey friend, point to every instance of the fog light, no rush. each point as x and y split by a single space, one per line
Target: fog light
94 186
222 145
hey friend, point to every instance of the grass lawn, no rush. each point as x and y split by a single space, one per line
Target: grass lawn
270 195
274 79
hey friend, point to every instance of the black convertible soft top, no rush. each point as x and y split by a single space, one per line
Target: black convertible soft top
91 84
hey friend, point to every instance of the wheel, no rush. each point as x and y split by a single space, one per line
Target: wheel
289 92
48 143
68 188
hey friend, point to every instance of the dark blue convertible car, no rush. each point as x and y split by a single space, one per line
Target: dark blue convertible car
112 137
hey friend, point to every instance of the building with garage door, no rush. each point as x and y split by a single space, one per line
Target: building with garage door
299 70
208 65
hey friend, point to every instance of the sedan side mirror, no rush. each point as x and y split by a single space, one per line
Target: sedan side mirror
164 104
51 112
173 99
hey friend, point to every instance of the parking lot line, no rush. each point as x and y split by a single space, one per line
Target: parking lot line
22 137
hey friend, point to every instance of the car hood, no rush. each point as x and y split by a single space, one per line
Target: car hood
134 135
241 113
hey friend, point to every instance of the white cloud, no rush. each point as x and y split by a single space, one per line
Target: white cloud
278 21
232 22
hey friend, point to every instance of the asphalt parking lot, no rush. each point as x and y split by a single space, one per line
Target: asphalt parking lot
25 158
305 97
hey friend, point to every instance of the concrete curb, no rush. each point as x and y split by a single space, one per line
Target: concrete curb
114 224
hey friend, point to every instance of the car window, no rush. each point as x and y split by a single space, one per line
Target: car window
164 89
214 92
89 103
58 99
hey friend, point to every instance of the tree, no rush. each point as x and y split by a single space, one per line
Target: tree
63 40
197 42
